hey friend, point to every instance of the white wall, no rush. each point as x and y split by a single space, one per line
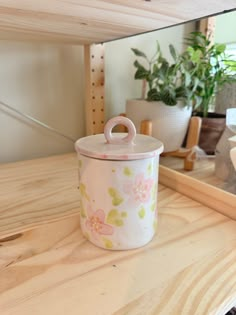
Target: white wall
45 81
225 31
119 71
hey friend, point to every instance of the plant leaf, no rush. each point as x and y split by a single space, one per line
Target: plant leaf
153 95
188 79
220 48
142 72
168 97
173 52
138 53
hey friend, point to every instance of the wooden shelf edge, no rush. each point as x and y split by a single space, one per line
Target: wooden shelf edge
210 196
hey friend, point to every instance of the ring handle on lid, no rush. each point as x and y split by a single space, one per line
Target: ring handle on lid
120 120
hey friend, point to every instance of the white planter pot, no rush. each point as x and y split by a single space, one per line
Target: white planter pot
169 123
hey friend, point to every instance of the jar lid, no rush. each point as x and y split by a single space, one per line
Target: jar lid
119 146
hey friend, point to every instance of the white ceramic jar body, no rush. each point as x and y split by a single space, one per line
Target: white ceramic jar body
118 201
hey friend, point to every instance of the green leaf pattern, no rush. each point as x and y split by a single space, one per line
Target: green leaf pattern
116 197
107 243
154 192
128 171
83 191
149 169
153 207
142 213
82 211
116 217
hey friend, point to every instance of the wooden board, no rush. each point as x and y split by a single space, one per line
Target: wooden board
37 191
204 170
44 190
47 267
189 267
208 195
96 21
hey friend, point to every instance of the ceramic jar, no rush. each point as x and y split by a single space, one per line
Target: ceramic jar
118 176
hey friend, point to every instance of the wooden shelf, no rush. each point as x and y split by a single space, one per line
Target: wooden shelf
37 191
96 21
47 267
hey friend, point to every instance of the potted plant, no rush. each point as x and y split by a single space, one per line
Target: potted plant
210 68
166 103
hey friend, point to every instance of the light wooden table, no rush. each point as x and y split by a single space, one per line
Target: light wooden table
47 267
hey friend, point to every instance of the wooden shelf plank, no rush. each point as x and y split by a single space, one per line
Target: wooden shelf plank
96 21
218 199
190 264
46 265
37 191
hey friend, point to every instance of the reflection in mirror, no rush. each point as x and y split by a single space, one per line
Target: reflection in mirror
121 87
215 167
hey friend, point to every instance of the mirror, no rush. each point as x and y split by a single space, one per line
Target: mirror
120 84
211 168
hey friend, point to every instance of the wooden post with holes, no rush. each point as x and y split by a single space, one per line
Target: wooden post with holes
207 27
94 98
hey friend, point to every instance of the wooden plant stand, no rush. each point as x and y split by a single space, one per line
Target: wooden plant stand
188 153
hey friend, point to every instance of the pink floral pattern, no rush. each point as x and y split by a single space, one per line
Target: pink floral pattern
140 189
96 223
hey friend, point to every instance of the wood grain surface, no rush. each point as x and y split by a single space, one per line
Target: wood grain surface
96 21
200 184
49 268
37 191
204 169
188 267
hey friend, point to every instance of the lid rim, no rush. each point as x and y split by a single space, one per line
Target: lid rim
121 157
95 147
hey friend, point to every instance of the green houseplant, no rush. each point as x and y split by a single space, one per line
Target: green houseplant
166 81
209 68
166 100
191 81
